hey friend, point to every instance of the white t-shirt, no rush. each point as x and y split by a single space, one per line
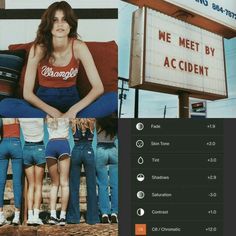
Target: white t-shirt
58 128
32 129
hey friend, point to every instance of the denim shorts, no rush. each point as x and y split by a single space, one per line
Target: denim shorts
56 148
34 154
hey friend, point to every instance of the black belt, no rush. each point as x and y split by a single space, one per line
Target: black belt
106 144
38 143
82 140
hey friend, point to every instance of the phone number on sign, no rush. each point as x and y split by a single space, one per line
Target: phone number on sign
217 7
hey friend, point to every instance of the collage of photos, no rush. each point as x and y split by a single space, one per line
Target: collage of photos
76 73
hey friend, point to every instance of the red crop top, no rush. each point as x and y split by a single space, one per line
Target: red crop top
11 130
58 76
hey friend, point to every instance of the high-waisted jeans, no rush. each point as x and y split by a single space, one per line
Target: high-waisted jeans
62 99
11 148
107 176
82 153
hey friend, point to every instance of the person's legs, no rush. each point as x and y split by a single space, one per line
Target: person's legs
102 180
34 161
3 178
38 154
39 173
103 106
17 170
15 108
29 172
17 165
90 172
54 174
64 165
73 212
113 178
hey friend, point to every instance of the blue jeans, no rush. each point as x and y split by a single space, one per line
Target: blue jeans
11 148
62 99
107 160
82 153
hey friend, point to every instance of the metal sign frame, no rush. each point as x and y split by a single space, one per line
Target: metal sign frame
193 18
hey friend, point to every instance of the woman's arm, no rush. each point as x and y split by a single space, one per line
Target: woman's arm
35 55
83 54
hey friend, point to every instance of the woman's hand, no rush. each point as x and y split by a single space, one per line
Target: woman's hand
71 113
54 113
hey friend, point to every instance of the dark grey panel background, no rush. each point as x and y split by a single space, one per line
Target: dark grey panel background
124 134
229 176
125 176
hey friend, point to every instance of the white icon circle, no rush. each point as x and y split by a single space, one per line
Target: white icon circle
140 194
139 126
140 212
139 143
140 160
140 177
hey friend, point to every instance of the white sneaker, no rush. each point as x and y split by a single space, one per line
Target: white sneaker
38 221
30 222
16 221
3 221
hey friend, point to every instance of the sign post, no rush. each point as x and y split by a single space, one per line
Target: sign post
183 105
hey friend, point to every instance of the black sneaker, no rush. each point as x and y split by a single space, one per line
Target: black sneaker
53 221
105 219
62 222
114 218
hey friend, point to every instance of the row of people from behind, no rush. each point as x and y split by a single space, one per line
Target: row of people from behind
64 167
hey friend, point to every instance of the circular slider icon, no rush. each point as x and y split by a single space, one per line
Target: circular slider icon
139 143
139 126
140 194
140 212
140 177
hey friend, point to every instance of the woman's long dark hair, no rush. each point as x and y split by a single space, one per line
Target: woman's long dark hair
107 124
44 35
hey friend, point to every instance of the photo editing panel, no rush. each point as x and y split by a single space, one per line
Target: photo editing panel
177 176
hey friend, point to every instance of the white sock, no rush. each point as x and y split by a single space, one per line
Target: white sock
53 213
1 215
30 214
36 213
63 215
17 215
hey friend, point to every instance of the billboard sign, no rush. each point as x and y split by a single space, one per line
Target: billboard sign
218 16
169 55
